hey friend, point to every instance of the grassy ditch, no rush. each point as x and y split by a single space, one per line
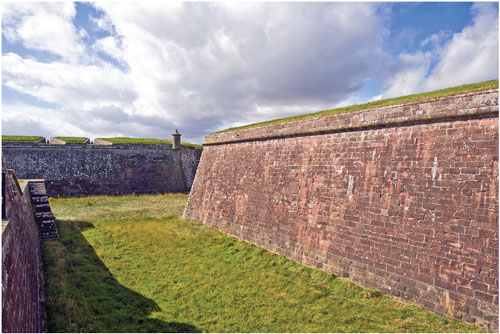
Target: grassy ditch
484 85
129 140
132 264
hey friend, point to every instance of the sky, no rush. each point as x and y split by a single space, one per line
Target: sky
144 69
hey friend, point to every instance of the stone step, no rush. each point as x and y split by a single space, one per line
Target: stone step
48 223
47 232
38 191
44 215
39 185
50 236
39 199
42 207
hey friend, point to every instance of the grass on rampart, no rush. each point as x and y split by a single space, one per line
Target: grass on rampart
7 138
484 85
129 140
132 264
73 140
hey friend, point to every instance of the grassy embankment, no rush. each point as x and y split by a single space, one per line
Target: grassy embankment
7 138
129 140
132 264
484 85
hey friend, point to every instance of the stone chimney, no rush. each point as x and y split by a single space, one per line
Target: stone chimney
176 140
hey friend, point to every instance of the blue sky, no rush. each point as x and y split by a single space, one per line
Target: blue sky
142 70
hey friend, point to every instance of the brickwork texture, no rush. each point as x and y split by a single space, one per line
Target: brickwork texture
83 169
402 198
23 309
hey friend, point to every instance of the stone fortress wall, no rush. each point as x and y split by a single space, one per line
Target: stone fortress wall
23 303
69 170
85 169
402 198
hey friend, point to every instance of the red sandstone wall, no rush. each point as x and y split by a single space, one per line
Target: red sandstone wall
22 276
402 198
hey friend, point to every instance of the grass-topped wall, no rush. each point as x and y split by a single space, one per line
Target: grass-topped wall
130 140
403 198
22 139
447 92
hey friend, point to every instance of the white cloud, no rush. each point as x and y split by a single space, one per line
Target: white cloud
43 26
196 67
410 78
470 56
110 46
22 118
375 98
80 87
83 33
201 67
196 61
101 23
436 39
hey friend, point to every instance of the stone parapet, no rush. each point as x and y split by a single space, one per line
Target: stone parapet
23 303
402 198
477 104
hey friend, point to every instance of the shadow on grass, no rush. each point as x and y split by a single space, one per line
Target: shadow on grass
83 296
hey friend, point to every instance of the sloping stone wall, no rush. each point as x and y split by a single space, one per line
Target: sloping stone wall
23 309
403 198
83 169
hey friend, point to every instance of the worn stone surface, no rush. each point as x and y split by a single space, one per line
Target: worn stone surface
23 309
82 169
402 198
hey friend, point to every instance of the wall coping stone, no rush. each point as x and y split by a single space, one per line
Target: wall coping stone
22 187
98 141
5 222
56 141
474 104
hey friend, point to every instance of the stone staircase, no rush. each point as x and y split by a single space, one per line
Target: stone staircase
43 214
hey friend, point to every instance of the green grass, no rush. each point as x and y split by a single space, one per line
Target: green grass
76 140
132 264
7 138
485 85
129 140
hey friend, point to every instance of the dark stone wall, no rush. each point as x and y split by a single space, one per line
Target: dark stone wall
83 169
402 198
23 309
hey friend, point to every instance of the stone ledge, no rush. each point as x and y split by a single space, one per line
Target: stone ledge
470 105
